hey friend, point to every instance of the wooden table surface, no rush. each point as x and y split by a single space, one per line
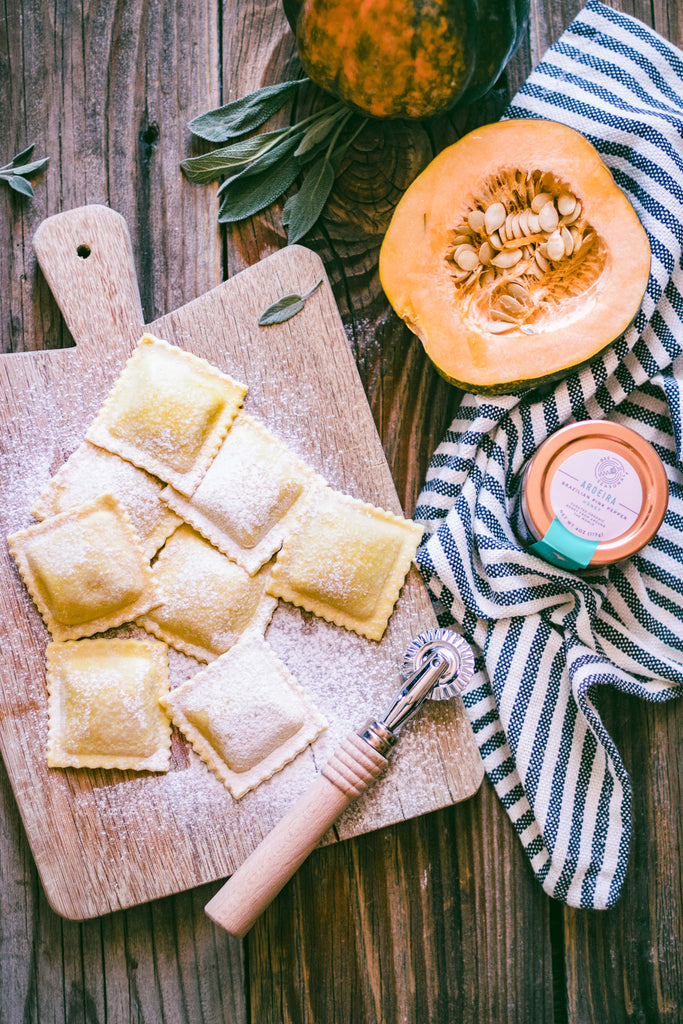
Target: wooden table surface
436 920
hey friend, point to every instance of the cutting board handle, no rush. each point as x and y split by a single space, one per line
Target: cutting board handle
87 259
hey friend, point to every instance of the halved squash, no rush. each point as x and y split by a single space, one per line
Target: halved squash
515 257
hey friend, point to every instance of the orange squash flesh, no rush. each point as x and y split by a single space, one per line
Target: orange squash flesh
418 280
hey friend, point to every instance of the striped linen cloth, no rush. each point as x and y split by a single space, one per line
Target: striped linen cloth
548 638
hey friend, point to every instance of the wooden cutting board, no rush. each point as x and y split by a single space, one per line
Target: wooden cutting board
106 839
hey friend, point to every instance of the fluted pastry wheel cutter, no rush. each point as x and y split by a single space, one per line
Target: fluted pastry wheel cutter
438 665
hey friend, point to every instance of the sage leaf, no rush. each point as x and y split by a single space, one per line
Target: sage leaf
286 307
20 184
24 155
251 191
29 168
210 166
302 210
243 115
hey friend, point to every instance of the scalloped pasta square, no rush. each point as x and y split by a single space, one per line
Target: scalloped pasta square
245 715
346 562
249 498
168 413
89 472
104 704
85 569
208 600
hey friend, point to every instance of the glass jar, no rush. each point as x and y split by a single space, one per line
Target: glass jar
594 493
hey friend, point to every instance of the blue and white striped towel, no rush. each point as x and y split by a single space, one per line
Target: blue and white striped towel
547 638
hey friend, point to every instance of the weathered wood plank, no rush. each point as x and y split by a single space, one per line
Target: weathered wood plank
433 921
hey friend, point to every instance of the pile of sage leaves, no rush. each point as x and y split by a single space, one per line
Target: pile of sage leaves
256 169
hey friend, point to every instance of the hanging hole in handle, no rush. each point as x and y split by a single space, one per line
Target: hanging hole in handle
83 251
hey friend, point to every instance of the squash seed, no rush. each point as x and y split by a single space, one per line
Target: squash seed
541 260
523 221
568 240
574 215
508 258
475 219
466 257
548 217
539 201
510 304
566 203
494 217
518 291
554 247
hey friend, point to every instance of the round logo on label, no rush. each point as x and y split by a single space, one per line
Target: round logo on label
610 471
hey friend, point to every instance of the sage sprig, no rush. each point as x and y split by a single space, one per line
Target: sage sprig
257 170
16 172
243 115
286 307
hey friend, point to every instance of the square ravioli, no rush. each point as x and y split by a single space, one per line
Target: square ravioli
208 601
250 495
85 569
90 472
245 715
168 413
104 705
346 562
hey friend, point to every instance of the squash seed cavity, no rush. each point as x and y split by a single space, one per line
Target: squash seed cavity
522 252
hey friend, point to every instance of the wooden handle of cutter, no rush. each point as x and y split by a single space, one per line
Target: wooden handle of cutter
256 883
86 257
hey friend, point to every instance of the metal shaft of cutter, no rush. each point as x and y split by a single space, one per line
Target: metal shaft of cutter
382 734
416 690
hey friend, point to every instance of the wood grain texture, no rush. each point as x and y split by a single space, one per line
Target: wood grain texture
439 919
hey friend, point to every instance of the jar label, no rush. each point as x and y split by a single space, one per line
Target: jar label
596 494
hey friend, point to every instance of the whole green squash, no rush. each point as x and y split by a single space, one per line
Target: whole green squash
406 58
